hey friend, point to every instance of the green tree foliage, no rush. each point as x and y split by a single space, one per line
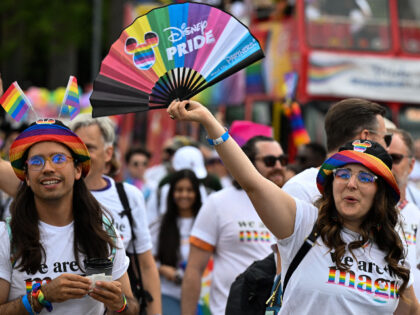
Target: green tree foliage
33 30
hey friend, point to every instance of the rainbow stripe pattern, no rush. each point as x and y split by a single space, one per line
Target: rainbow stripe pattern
175 51
361 146
47 130
144 55
319 72
381 290
299 134
14 102
71 97
254 236
355 157
410 238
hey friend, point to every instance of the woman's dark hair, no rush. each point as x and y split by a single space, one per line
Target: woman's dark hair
169 240
90 238
379 226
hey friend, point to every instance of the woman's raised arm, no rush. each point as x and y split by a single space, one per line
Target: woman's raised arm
276 208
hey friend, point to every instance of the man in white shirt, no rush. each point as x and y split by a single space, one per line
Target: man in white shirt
229 228
347 120
402 152
99 135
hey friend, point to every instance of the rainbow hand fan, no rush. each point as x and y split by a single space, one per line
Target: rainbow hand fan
172 52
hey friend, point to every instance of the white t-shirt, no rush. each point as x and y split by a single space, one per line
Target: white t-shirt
184 225
230 226
303 185
410 216
108 198
415 173
58 244
316 287
412 194
154 174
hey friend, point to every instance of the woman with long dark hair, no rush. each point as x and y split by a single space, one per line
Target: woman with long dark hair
183 204
357 261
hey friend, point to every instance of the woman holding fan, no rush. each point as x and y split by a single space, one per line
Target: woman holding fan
356 264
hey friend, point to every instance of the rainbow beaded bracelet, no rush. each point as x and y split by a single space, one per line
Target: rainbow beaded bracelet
37 293
124 307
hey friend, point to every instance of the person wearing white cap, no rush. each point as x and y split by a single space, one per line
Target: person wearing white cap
190 157
228 227
187 157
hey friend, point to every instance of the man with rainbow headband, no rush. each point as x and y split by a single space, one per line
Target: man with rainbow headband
56 225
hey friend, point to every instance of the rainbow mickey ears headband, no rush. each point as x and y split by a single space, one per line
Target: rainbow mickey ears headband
367 153
47 130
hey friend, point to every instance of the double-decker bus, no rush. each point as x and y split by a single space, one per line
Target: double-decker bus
349 48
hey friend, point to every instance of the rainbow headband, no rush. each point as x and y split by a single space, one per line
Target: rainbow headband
355 157
47 130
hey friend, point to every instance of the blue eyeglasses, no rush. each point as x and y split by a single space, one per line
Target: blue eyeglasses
58 160
362 177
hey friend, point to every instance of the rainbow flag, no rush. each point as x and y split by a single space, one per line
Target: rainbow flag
299 134
71 97
15 102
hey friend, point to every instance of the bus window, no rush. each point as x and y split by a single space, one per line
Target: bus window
348 24
409 15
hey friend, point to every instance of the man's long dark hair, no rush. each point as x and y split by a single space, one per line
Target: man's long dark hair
90 237
169 237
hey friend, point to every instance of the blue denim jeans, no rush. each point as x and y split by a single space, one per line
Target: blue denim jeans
170 305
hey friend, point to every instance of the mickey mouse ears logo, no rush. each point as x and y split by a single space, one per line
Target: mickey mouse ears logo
143 54
361 146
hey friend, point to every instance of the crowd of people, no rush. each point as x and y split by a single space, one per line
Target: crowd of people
341 220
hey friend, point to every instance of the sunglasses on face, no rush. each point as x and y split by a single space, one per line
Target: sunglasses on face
270 160
387 137
397 158
58 160
362 177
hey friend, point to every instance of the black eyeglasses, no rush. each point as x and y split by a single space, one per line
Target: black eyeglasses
387 137
397 158
270 160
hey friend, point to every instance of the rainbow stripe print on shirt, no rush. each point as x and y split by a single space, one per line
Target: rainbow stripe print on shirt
254 236
379 288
